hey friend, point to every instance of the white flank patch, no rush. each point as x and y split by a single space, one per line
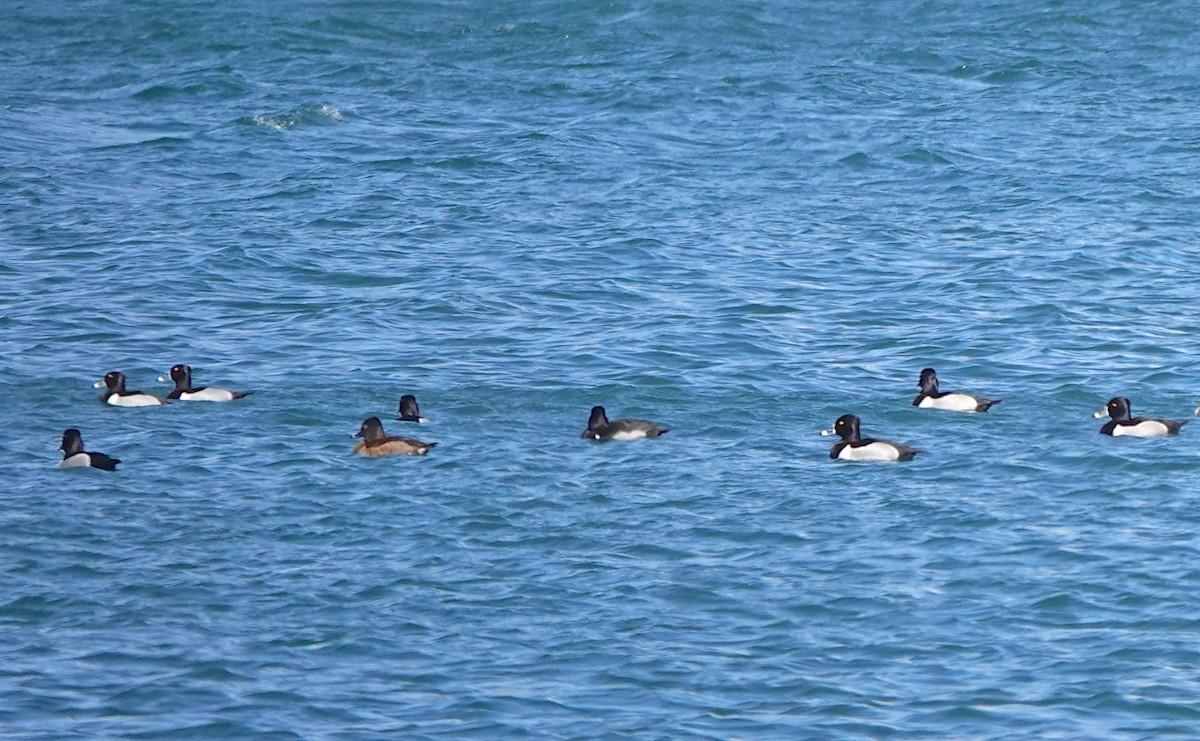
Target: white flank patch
79 460
208 394
133 400
951 402
1145 428
871 452
629 435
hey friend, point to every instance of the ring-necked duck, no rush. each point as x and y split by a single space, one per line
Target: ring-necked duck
376 443
182 376
409 411
1122 424
116 395
854 447
600 428
955 401
74 456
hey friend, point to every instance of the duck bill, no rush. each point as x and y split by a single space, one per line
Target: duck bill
828 432
164 379
98 385
1100 413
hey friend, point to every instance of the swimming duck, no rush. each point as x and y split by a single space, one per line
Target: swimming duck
600 428
116 395
955 401
182 376
1124 424
74 456
409 411
854 447
377 443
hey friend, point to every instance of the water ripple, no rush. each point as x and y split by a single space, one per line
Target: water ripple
740 221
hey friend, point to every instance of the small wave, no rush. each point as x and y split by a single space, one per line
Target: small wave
302 116
857 160
921 156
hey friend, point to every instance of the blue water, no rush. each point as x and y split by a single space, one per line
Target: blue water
738 219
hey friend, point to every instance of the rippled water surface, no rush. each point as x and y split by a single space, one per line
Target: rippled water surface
738 219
